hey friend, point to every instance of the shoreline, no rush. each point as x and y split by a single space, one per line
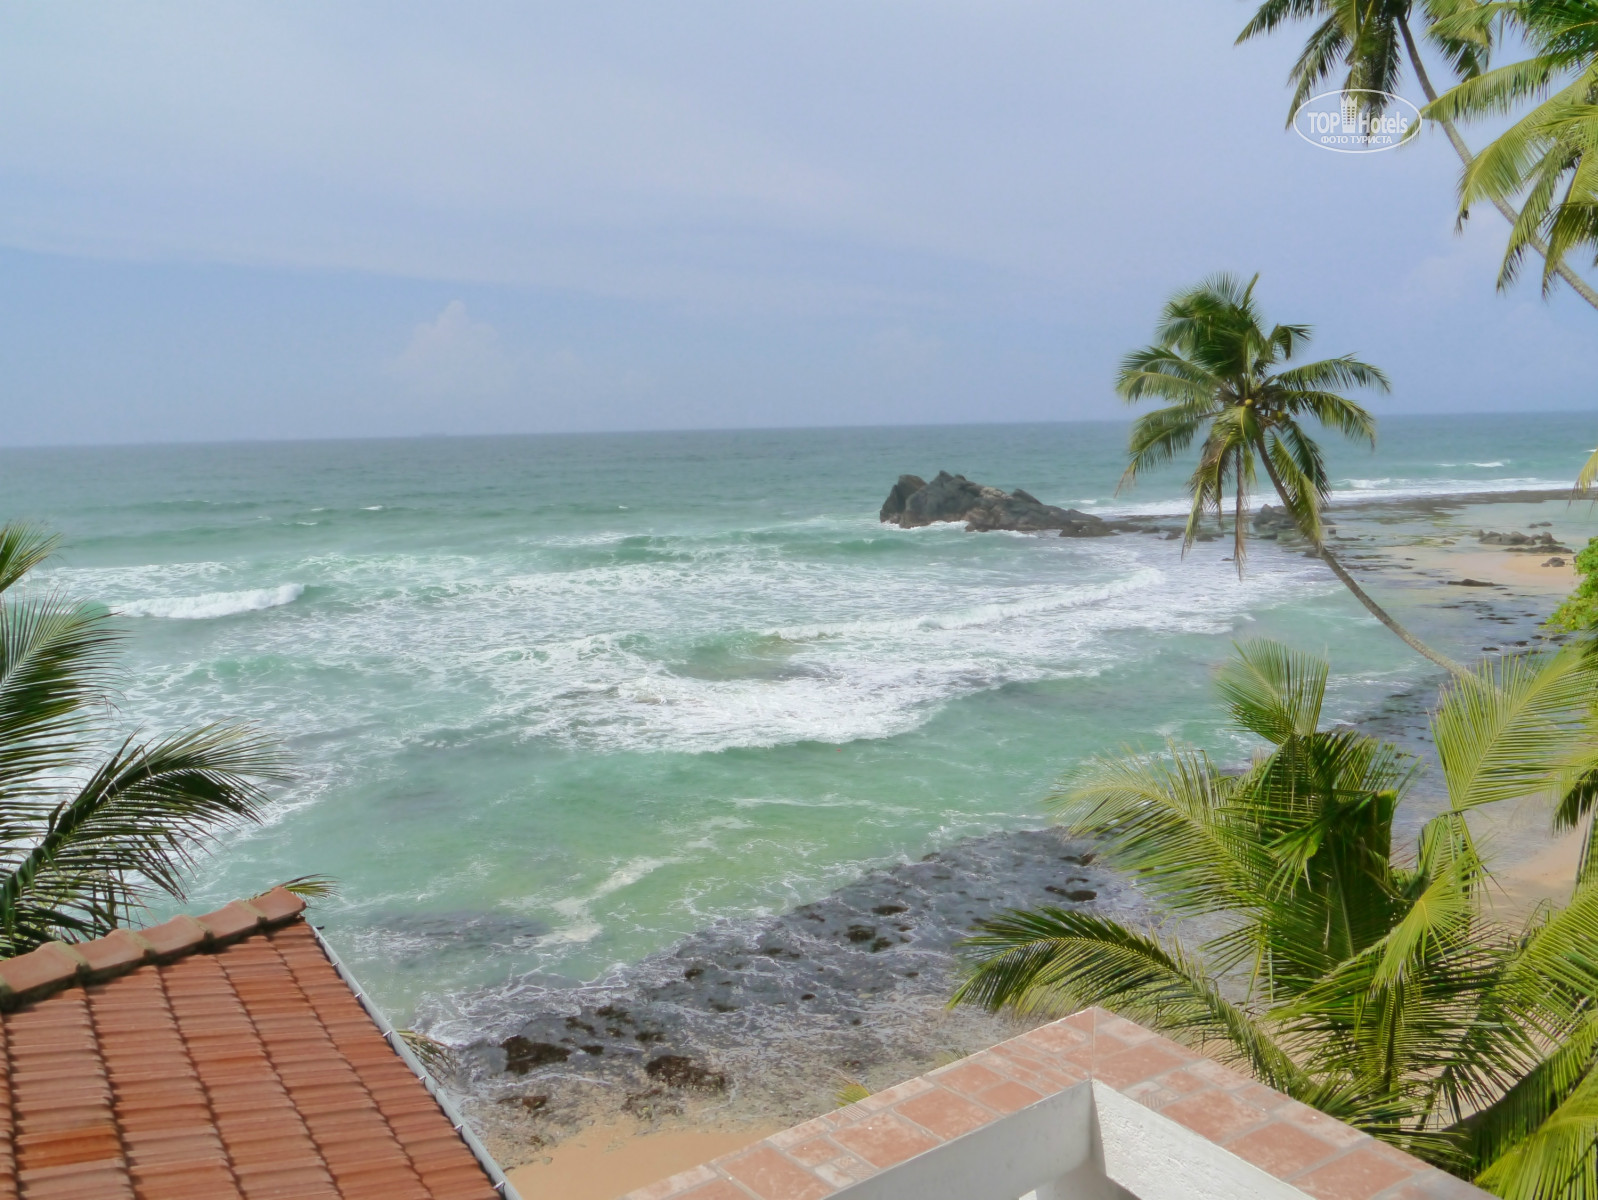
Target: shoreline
593 1113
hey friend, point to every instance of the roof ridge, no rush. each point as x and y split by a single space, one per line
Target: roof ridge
57 965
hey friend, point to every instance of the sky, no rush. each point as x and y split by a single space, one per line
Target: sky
229 220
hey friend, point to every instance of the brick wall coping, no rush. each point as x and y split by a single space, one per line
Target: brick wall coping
1313 1153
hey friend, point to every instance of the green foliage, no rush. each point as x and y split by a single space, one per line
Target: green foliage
1579 610
93 822
1222 373
1358 978
1368 40
436 1057
851 1093
1548 158
1219 371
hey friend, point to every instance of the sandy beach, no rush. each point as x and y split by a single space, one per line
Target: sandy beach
1523 572
610 1159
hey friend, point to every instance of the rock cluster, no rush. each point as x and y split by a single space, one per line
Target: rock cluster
914 502
1273 521
1538 543
850 980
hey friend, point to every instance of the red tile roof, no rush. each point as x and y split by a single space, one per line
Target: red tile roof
212 1058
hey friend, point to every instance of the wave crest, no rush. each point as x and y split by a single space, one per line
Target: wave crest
213 604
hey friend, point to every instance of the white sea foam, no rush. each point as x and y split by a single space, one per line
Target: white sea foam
1362 490
580 924
212 604
735 644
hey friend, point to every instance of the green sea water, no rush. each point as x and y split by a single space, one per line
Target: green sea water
557 701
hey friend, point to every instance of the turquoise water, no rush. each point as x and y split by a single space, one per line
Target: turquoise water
557 701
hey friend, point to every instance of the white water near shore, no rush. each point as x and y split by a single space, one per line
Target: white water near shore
559 702
210 605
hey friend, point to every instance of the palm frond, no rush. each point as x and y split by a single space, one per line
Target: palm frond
1503 730
22 547
1273 691
1054 961
131 830
1164 820
55 671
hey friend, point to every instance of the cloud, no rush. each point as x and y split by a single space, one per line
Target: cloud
453 355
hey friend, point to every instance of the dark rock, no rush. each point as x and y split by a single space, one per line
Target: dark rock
522 1055
680 1071
1470 583
1554 562
862 957
1272 519
913 503
893 506
1075 895
1540 543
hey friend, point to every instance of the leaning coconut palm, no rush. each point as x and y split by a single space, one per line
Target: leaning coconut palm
1373 39
1222 372
89 834
1551 154
1357 978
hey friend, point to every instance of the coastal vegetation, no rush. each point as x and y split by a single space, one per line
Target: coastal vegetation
1579 610
1221 372
1371 40
1548 155
1546 161
96 821
1368 979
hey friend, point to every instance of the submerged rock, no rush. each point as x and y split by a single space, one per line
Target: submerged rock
913 502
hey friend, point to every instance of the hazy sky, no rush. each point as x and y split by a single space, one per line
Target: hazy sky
271 220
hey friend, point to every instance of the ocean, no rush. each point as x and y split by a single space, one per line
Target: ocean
557 702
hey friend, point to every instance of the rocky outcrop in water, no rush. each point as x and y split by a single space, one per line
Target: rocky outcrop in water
1532 543
914 502
1274 521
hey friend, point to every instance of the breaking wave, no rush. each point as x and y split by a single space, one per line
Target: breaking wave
213 604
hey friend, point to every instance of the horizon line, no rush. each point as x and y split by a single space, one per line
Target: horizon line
442 435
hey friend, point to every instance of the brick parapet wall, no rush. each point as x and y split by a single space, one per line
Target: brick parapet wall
1319 1156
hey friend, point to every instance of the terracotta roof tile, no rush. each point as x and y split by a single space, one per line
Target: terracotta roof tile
212 1058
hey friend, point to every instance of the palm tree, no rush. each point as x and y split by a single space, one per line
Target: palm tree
1220 370
1359 979
93 823
1551 153
1373 39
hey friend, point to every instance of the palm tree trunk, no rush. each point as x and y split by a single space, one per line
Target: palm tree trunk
1579 285
1348 581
